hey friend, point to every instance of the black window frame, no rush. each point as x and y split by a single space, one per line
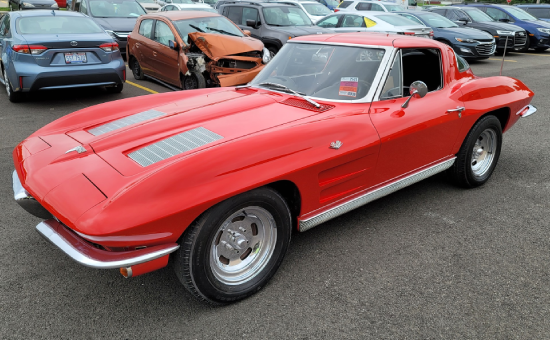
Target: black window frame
151 33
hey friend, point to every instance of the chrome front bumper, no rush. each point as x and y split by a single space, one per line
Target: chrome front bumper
26 201
88 255
527 111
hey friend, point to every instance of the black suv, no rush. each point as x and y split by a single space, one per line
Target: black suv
473 17
271 22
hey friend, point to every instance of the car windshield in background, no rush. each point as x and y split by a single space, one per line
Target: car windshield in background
115 9
322 71
316 9
520 14
57 25
397 20
211 2
334 3
477 15
286 16
395 8
204 9
182 2
438 21
216 25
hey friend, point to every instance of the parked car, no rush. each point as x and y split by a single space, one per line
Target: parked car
374 22
375 6
271 22
188 7
117 17
43 50
168 2
506 35
330 4
313 9
220 177
150 5
537 30
193 49
469 43
20 5
541 12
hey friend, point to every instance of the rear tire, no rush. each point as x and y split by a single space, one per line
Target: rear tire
115 89
136 69
478 156
195 80
233 249
14 97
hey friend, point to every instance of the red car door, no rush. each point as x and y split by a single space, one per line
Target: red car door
165 59
141 45
425 131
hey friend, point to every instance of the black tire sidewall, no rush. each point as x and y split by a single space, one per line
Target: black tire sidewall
196 76
136 70
200 270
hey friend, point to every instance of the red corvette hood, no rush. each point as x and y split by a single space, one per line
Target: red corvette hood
226 115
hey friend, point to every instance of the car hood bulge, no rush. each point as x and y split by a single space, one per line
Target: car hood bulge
220 45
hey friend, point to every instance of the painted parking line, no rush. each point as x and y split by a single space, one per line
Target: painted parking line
512 61
540 55
141 87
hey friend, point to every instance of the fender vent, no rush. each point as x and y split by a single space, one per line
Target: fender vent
173 146
302 104
126 121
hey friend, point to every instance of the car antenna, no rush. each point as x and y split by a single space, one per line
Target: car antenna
503 54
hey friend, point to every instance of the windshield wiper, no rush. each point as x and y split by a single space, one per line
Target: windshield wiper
284 88
198 29
222 31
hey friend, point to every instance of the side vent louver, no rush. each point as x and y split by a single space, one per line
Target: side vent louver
173 146
126 121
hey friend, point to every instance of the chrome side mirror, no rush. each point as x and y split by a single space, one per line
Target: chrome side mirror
417 89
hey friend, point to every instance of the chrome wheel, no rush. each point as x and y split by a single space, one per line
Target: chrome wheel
7 83
243 245
483 152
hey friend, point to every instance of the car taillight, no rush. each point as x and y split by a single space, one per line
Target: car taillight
109 47
29 49
431 34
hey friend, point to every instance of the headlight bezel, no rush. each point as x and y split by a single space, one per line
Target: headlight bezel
543 30
466 40
266 56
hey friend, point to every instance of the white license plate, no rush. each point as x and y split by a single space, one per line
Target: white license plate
75 58
423 35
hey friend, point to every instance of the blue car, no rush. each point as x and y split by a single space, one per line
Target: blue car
538 30
541 12
43 50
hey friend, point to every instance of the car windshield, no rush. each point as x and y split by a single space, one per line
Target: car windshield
520 14
204 9
216 25
317 9
438 21
397 20
115 9
323 71
394 8
286 16
57 25
477 15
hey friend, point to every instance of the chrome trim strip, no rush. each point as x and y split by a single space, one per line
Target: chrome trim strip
19 193
374 195
125 122
529 112
76 254
25 199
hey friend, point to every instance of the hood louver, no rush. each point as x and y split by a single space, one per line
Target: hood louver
173 146
126 121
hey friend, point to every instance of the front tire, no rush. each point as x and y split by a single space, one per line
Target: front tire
195 80
14 97
479 153
233 249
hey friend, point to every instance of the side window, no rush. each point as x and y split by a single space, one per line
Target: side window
411 17
2 25
145 28
440 12
344 4
250 14
235 14
452 15
461 15
77 5
393 88
363 6
352 21
461 63
497 14
422 64
5 30
163 33
329 22
377 8
83 8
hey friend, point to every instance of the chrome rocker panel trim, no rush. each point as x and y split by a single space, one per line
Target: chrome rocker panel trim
89 256
370 196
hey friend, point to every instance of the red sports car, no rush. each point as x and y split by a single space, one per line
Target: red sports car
218 178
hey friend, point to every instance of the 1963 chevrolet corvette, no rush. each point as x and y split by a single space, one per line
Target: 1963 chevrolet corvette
218 178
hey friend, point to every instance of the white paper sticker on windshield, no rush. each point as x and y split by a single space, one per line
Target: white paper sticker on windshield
348 86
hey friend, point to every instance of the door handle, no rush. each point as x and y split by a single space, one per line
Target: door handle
154 54
458 109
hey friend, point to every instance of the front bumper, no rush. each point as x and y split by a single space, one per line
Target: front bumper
475 50
87 255
26 201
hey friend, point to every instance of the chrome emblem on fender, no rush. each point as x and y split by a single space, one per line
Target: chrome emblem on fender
79 149
74 43
336 145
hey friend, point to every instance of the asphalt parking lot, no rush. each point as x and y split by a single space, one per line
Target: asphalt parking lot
429 262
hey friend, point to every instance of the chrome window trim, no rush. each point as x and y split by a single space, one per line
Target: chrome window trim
368 98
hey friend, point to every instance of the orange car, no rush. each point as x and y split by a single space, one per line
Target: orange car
194 49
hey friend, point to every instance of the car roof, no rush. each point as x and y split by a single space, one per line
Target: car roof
370 38
180 15
46 12
534 5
